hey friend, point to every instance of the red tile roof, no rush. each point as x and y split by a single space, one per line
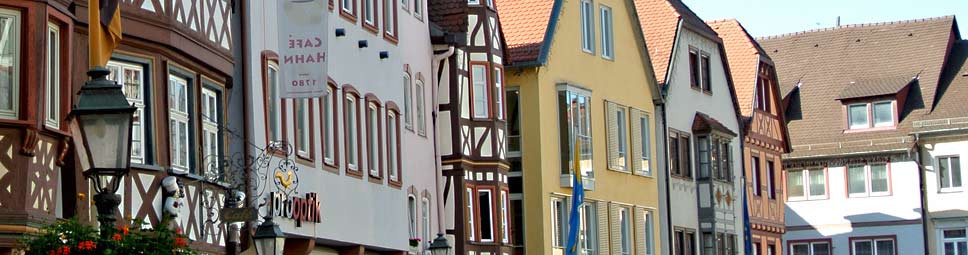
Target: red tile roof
659 20
524 23
743 55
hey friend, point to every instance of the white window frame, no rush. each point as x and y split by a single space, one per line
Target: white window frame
646 150
14 32
498 92
369 12
587 26
489 214
372 142
302 123
393 140
389 18
211 120
421 105
588 228
138 128
480 105
625 233
582 129
179 119
329 141
608 35
649 228
474 1
425 221
470 215
873 118
405 4
412 217
811 246
407 100
347 6
873 241
418 9
52 115
557 222
620 161
352 132
806 185
868 181
946 160
953 240
505 219
275 123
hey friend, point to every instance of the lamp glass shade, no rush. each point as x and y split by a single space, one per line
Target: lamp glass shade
269 238
108 138
440 245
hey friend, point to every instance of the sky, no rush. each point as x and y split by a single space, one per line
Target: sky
774 17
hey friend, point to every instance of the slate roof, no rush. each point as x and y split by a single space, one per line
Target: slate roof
525 23
825 61
743 54
448 15
875 87
659 20
951 107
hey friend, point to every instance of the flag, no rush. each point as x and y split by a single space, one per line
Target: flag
747 235
577 196
104 23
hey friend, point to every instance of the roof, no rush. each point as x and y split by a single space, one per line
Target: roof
825 61
950 108
449 15
659 20
704 123
525 24
875 87
743 55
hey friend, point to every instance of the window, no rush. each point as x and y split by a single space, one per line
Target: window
373 140
587 27
771 179
867 180
806 184
608 49
770 249
470 214
425 220
390 19
474 1
574 120
763 94
327 105
479 91
52 119
9 64
810 248
713 157
350 108
421 122
755 171
407 101
412 208
514 122
418 9
133 80
684 242
641 142
178 122
487 216
694 76
303 128
725 160
558 222
954 242
870 115
348 9
369 14
617 137
625 231
648 229
405 4
679 154
949 172
272 105
703 155
706 74
588 229
499 93
211 132
873 246
505 218
393 146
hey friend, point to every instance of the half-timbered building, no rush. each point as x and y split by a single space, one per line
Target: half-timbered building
764 134
175 65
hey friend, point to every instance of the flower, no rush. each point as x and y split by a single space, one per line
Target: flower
124 230
86 245
64 250
116 237
81 195
181 242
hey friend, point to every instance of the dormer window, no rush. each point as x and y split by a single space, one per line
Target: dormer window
871 115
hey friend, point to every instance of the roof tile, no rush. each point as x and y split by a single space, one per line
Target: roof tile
743 55
524 23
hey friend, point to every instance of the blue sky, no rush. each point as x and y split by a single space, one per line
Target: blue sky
773 17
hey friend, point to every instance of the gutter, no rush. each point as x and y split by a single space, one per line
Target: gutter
438 172
923 189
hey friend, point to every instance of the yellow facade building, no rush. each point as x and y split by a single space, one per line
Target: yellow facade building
580 73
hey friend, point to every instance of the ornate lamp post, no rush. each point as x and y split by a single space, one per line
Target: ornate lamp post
268 238
439 246
101 126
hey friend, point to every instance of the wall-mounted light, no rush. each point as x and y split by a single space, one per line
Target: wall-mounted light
384 54
340 32
361 44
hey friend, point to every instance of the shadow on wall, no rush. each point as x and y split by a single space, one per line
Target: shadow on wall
838 229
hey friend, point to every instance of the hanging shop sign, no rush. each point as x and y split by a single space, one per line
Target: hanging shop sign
302 48
297 208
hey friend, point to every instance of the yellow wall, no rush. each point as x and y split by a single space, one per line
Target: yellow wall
627 80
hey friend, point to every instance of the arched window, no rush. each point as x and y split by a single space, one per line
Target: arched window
412 206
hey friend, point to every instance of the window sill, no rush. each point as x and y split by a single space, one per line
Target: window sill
354 173
587 183
951 190
147 167
681 177
863 130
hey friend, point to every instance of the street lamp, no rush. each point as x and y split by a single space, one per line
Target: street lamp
268 238
439 246
101 126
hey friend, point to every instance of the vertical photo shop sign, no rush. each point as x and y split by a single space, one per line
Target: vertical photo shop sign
302 48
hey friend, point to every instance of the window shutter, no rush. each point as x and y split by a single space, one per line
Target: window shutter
615 229
636 148
603 217
612 125
639 238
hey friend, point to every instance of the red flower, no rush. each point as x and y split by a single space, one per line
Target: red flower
181 242
178 231
116 237
124 230
64 250
85 245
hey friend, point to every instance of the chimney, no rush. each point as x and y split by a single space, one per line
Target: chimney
838 21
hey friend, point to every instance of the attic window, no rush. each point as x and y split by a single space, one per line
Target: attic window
868 115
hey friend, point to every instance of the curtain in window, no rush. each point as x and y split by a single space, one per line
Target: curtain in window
879 182
856 178
886 247
883 114
818 185
863 248
795 184
956 174
858 116
9 47
821 249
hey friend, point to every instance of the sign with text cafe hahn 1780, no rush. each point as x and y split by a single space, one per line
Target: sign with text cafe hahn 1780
302 48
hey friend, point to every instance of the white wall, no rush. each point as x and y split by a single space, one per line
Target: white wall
949 199
909 239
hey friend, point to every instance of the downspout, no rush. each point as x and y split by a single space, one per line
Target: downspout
923 189
670 231
438 172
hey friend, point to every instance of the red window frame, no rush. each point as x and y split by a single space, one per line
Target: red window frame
350 14
268 57
334 133
487 89
391 33
350 91
377 161
309 159
64 94
391 108
370 26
